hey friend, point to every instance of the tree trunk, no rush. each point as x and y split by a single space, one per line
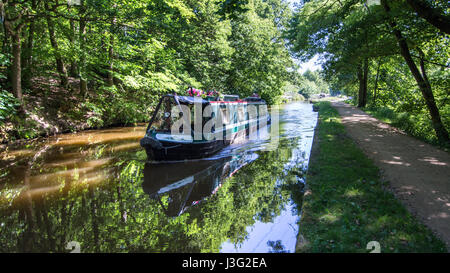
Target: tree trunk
365 77
360 80
27 63
73 65
27 60
6 49
110 80
16 79
5 44
15 32
375 88
82 37
363 70
422 80
59 62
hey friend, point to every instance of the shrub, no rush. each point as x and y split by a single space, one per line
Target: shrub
8 105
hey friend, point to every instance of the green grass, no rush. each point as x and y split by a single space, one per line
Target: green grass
347 204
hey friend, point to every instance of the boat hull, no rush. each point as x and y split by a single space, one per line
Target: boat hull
175 151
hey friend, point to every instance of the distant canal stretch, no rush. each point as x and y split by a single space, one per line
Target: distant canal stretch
96 191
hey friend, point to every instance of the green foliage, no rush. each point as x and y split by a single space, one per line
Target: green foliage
4 62
132 52
346 34
312 83
93 114
260 59
291 93
399 102
8 105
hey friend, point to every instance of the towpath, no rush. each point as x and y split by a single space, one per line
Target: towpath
418 173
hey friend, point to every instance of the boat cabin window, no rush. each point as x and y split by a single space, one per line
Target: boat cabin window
162 120
225 114
230 98
263 110
241 113
234 114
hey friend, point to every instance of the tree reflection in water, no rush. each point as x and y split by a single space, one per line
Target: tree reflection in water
128 205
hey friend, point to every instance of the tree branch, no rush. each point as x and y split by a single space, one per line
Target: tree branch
431 15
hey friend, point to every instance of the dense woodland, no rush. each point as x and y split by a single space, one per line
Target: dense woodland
93 63
76 64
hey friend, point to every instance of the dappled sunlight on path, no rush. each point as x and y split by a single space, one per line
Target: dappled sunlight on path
418 173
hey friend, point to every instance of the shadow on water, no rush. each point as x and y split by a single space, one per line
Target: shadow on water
96 188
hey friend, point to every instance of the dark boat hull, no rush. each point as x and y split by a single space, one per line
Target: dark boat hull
173 151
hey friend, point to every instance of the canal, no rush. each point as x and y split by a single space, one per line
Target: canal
95 190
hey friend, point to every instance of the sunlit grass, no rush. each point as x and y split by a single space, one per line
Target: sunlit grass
329 217
353 193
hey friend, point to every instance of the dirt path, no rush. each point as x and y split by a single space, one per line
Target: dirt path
419 173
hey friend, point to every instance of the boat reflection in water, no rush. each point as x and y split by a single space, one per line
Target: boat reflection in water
189 183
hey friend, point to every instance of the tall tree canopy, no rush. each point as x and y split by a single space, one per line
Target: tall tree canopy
383 44
108 61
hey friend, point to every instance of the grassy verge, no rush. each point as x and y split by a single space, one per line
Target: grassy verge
347 205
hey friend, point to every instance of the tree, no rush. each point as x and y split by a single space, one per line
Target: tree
420 76
312 83
434 15
123 55
60 67
15 16
205 46
342 33
351 36
260 60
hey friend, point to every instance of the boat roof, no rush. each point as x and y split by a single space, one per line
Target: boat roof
231 97
254 99
189 99
192 100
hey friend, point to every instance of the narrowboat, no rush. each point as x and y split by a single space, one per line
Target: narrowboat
176 132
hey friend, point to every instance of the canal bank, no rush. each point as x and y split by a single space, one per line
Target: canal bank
347 204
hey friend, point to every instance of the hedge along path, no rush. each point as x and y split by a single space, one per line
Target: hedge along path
418 173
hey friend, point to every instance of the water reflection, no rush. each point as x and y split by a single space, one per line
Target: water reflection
189 183
100 191
59 163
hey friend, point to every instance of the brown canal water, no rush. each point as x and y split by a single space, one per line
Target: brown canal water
96 191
